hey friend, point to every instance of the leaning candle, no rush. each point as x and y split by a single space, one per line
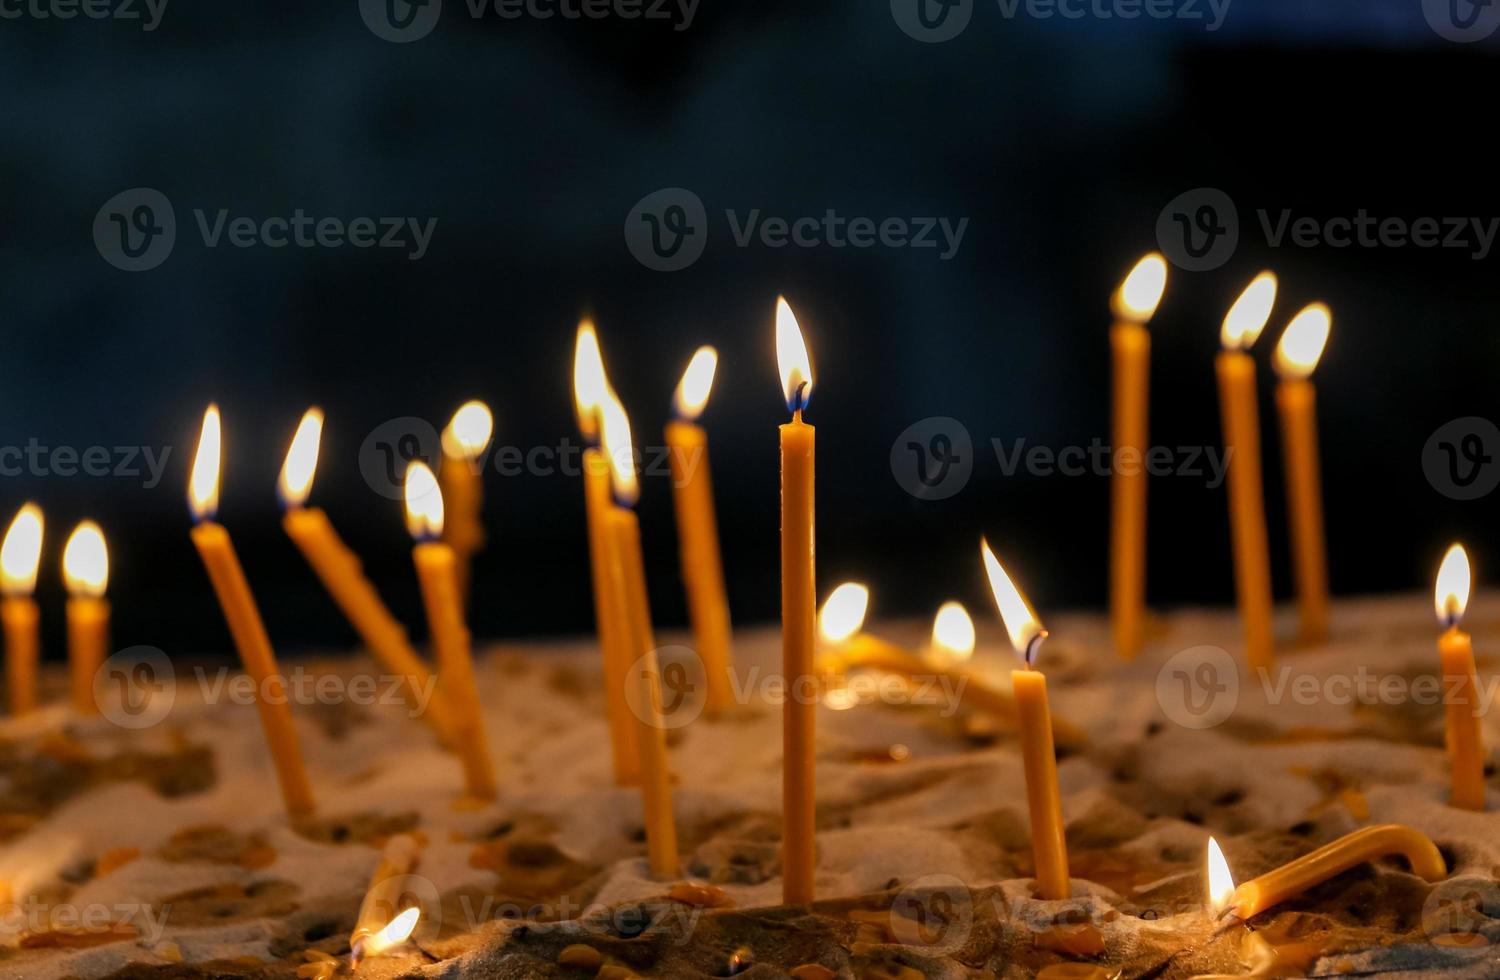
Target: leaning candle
1367 844
697 529
1134 304
1247 507
341 573
245 625
380 906
628 575
86 574
1297 354
20 556
437 572
1461 699
798 601
1048 842
464 442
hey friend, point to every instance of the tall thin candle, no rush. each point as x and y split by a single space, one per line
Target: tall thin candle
1297 354
86 574
1461 698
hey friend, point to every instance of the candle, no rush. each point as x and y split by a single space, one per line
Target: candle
1134 304
86 574
342 575
697 530
798 599
379 912
627 573
1220 881
952 634
1460 690
464 442
1366 844
243 617
1296 400
437 573
590 386
1048 844
20 555
1239 407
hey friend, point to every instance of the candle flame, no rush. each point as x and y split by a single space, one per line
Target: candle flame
1453 580
203 487
301 460
469 431
396 932
697 381
1026 631
589 380
1138 296
1303 341
953 631
21 552
424 502
86 562
843 612
792 359
1247 317
1220 881
614 439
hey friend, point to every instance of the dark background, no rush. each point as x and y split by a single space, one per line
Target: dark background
530 141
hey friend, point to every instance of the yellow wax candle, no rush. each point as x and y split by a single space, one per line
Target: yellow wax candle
1460 688
798 601
1130 346
1239 407
381 902
464 442
20 556
1039 757
697 529
342 574
86 574
1297 355
437 573
245 625
628 575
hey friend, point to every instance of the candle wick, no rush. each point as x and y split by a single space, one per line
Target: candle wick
799 398
1033 647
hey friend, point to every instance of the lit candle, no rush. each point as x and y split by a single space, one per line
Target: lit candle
1296 355
437 572
464 442
1220 881
697 529
341 573
245 625
627 574
381 923
86 574
1461 698
1247 507
1048 843
590 386
20 556
798 603
952 634
1133 305
1366 844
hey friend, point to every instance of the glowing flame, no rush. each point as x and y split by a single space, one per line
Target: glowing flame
424 502
1025 630
1247 317
469 431
614 439
953 631
1220 881
22 552
1303 341
590 384
301 460
203 487
396 932
86 562
697 381
792 359
843 612
1452 593
1138 296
